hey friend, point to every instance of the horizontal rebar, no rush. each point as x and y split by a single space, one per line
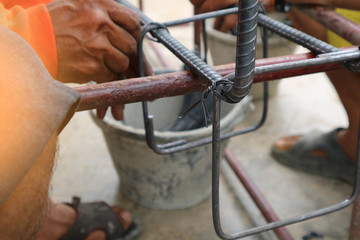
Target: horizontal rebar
183 82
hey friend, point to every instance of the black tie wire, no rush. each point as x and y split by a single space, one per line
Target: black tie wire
226 90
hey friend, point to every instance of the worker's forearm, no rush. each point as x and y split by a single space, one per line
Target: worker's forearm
349 4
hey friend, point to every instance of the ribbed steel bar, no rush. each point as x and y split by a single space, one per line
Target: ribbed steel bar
315 45
338 57
179 83
330 19
246 35
190 59
228 91
333 21
245 57
342 26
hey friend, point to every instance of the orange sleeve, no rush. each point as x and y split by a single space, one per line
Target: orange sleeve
33 23
23 3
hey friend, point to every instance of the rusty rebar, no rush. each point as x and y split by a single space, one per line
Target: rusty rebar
333 21
179 83
256 195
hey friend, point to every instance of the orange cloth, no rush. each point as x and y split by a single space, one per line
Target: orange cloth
31 20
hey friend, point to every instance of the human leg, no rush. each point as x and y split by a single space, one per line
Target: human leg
28 213
302 151
24 209
34 109
347 85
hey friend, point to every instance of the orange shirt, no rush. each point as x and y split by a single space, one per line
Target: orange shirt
32 21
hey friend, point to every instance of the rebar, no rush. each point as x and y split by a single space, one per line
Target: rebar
313 44
235 92
333 21
245 51
190 59
255 193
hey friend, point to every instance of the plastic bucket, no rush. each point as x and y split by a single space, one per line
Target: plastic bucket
173 181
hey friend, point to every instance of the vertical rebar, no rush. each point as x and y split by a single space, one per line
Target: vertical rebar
245 51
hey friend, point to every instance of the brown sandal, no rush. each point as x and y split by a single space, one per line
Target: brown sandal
99 216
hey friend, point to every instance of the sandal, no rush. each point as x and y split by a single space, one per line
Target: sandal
99 216
335 164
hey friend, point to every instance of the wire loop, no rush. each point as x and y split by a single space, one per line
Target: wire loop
152 26
213 88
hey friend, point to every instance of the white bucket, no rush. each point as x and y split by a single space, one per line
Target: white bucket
173 181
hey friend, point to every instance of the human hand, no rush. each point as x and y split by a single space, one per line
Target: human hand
133 71
212 5
228 22
223 23
95 39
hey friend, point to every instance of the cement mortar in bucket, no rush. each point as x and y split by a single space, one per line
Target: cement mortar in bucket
173 181
222 47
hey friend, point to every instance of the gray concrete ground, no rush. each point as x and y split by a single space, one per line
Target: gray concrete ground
302 104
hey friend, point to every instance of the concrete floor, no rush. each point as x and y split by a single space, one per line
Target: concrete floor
302 104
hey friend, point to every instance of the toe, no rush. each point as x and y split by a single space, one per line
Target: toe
286 143
124 217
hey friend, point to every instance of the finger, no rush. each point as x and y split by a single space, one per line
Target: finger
127 19
93 71
106 59
197 3
118 112
229 23
121 38
133 70
116 61
218 22
100 113
208 6
104 77
94 65
124 216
